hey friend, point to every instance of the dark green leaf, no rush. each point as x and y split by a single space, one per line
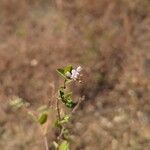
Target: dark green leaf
66 98
61 92
61 72
70 104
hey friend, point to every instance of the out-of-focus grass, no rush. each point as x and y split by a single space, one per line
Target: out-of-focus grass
110 39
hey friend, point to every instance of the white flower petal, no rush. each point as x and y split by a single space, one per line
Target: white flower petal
79 69
73 71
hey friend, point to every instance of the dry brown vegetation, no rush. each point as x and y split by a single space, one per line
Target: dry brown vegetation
110 39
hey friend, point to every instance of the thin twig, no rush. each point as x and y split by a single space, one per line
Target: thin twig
46 143
64 83
81 99
44 138
61 132
57 104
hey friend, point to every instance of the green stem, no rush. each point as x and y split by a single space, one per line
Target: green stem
58 110
64 84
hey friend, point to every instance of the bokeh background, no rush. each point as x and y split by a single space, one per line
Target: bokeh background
110 39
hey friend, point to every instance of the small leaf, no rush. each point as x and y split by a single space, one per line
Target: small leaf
62 93
65 97
65 119
64 146
70 104
42 118
68 69
68 95
61 73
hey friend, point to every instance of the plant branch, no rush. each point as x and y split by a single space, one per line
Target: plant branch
81 99
61 132
64 83
44 138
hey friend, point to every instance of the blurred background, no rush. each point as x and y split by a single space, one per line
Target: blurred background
109 39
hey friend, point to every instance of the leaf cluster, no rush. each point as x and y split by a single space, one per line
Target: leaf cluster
66 98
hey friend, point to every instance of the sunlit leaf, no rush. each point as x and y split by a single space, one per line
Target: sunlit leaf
63 120
64 146
68 69
61 72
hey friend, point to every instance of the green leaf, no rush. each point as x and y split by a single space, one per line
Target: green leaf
70 104
66 98
62 94
61 72
64 146
68 95
68 69
42 118
65 119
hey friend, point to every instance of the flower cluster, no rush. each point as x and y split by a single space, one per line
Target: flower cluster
74 74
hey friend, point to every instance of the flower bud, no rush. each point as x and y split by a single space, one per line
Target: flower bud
68 74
